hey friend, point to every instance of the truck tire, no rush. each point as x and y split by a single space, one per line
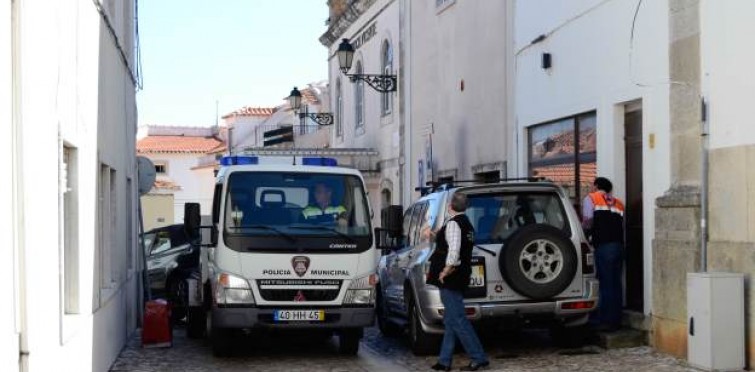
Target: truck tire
178 296
221 340
421 342
387 328
348 341
196 322
538 261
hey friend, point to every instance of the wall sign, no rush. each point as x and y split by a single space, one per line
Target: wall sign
364 37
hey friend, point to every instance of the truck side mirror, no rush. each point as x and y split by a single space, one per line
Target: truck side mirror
385 240
192 220
392 219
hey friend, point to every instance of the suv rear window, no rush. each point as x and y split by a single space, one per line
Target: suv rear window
496 216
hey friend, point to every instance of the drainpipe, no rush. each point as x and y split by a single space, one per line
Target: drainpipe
406 92
705 139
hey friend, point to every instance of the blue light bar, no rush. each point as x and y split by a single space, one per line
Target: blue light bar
326 162
239 160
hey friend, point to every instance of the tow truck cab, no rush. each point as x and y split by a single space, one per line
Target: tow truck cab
291 247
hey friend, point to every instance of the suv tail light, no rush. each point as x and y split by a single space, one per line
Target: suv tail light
588 259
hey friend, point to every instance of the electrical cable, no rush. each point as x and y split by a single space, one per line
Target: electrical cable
132 75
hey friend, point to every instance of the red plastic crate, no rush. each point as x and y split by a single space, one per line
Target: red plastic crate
156 328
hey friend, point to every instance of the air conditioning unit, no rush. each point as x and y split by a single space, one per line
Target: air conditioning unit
716 321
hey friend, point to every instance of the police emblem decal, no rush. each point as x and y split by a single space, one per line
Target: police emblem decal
300 265
300 297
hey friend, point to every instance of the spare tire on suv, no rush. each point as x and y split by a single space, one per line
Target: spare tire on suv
538 261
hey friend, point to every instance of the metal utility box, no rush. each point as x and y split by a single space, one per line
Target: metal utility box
715 315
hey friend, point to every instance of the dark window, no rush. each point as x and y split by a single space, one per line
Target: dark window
488 177
160 168
564 151
496 216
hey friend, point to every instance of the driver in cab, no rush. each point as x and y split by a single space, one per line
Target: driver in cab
324 210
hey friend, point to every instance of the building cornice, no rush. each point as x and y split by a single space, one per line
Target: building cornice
342 23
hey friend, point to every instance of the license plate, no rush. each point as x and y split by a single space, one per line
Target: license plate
299 315
477 279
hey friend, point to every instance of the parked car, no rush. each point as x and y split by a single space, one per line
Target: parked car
532 264
171 259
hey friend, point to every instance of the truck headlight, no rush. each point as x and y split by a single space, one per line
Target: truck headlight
362 291
232 290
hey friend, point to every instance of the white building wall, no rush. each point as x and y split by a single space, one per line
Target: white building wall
381 132
196 185
459 63
9 308
72 90
597 66
728 77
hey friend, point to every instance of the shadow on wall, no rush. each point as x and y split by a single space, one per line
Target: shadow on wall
461 147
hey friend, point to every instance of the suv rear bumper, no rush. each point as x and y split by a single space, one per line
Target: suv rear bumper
482 311
256 317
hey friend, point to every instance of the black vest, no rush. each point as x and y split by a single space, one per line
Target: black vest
459 278
608 224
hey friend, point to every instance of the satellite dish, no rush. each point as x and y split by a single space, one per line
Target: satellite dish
146 174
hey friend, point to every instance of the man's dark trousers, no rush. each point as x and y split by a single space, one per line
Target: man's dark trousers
609 261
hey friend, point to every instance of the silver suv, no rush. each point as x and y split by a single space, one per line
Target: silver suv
531 263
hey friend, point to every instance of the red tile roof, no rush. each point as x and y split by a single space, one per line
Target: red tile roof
251 111
177 144
166 185
309 96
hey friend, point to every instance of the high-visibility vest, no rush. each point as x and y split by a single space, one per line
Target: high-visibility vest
608 218
313 211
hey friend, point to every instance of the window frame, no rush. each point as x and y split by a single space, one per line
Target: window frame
386 59
339 109
576 158
359 102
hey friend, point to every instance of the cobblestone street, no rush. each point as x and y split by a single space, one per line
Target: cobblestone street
532 352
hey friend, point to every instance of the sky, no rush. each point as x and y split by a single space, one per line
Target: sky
237 52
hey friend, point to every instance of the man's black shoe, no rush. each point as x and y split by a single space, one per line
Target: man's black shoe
475 366
440 367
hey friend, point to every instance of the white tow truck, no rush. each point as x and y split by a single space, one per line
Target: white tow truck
290 248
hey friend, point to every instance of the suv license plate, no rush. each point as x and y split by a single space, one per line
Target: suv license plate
477 279
299 315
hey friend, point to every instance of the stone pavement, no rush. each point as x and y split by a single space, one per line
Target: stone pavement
529 351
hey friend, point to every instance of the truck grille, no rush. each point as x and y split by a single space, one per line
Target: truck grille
299 290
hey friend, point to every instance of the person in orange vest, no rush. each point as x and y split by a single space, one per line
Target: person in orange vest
603 220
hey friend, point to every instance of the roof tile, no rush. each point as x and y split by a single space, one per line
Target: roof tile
177 144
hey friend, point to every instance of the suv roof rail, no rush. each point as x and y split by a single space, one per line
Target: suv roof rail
433 186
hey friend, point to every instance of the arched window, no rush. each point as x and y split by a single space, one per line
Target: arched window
386 99
339 109
359 99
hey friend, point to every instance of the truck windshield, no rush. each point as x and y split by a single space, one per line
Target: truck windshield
293 210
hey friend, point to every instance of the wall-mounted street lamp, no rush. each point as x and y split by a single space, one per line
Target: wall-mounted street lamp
321 118
381 83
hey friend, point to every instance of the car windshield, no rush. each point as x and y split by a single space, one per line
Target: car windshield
289 205
496 216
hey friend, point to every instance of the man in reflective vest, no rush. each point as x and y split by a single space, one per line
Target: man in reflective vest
603 220
322 210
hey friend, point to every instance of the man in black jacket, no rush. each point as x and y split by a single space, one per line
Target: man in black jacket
451 269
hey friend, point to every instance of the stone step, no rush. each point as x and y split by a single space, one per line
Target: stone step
623 338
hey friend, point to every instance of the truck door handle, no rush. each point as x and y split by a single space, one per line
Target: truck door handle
691 326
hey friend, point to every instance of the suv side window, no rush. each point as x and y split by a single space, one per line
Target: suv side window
407 223
419 222
411 234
